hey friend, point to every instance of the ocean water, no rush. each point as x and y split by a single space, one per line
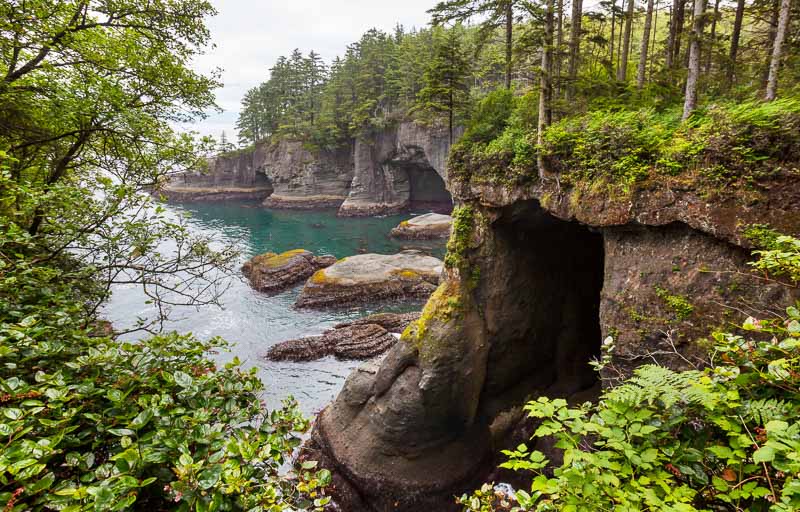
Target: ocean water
251 321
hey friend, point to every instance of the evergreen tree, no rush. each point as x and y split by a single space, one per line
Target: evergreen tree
445 87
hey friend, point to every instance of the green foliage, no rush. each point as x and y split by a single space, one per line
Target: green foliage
679 304
782 259
723 438
490 117
458 244
93 423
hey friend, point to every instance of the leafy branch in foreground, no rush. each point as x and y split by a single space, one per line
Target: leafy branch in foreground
91 423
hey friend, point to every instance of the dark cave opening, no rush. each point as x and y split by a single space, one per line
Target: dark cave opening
427 190
542 297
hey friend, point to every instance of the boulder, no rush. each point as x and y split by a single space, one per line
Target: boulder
361 339
273 273
424 227
369 277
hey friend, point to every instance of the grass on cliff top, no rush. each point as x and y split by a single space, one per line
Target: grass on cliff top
725 144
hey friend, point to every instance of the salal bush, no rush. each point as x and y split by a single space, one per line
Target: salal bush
88 422
726 437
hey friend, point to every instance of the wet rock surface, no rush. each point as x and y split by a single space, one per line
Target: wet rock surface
361 339
273 273
371 277
424 227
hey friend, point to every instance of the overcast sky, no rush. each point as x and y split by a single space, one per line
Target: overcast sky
251 34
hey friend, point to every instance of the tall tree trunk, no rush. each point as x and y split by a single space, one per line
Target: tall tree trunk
545 90
559 48
676 31
773 32
670 36
737 31
655 37
777 50
713 38
574 46
622 73
509 39
619 37
613 27
694 58
648 21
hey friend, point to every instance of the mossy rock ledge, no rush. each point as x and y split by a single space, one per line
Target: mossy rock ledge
372 277
273 273
537 276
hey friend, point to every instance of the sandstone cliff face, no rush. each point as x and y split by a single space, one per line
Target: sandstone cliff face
305 179
536 278
398 167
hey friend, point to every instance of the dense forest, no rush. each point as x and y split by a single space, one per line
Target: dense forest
612 57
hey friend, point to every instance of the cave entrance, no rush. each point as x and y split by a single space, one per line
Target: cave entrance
542 296
427 190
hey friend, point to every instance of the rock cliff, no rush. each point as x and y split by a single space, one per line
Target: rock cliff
399 167
537 275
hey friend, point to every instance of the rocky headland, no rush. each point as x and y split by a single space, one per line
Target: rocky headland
539 272
388 172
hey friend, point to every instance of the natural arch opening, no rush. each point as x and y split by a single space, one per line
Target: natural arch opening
542 299
427 190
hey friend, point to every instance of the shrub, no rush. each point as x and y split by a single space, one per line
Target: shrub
89 422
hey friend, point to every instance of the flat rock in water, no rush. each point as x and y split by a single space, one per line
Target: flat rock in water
425 227
392 322
369 277
273 273
361 339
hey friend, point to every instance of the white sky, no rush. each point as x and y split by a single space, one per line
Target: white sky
251 34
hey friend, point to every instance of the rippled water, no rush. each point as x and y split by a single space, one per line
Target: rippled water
253 322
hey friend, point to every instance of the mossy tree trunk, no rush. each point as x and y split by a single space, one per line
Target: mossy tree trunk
546 86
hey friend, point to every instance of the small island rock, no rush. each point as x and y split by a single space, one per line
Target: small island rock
425 227
361 339
273 273
368 277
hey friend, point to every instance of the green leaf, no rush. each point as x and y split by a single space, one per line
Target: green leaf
209 477
764 454
182 379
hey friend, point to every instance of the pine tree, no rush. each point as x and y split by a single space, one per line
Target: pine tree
494 14
643 51
446 90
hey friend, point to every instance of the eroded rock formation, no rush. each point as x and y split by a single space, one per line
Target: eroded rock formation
397 168
371 277
273 273
536 276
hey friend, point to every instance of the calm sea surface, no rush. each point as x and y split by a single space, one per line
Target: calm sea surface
251 321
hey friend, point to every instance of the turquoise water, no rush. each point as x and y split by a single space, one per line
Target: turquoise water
253 322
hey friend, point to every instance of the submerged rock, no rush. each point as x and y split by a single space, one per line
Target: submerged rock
424 227
272 273
361 339
369 277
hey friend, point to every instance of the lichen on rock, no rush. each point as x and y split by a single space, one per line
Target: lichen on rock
273 273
